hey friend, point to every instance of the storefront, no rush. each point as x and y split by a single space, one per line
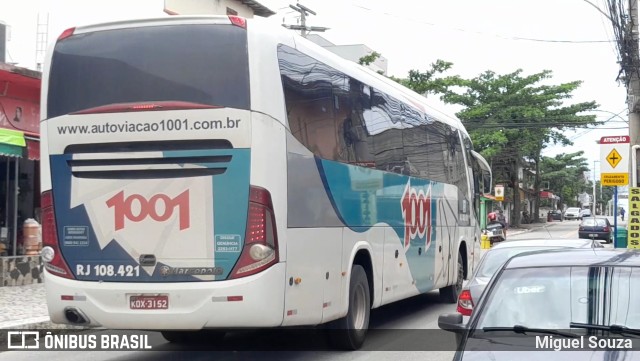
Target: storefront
19 175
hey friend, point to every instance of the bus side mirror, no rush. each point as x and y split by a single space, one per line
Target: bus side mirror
486 182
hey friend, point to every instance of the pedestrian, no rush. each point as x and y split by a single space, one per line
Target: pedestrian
622 213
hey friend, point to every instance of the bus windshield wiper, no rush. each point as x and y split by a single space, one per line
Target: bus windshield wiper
524 329
620 329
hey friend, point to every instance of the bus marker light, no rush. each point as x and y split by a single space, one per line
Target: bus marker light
67 33
227 298
298 280
238 21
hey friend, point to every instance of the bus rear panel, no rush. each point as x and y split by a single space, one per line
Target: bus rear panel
150 210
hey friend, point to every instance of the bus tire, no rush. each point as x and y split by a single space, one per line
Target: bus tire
449 294
194 337
349 332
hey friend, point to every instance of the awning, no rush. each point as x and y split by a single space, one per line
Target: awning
12 143
545 194
489 196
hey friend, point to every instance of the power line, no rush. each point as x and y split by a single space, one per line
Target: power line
403 17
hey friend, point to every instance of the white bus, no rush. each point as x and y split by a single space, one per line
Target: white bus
201 174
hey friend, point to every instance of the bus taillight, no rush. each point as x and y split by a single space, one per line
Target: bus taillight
51 254
260 242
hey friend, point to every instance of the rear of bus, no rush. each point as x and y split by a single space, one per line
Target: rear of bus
152 217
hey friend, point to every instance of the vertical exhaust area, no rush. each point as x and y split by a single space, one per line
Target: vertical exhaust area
75 316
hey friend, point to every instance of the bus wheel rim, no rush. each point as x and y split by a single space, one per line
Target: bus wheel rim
359 307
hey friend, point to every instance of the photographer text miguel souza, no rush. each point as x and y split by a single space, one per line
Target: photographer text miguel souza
582 342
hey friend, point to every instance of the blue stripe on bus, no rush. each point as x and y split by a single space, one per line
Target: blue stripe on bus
352 189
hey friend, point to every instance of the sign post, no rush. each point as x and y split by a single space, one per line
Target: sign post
614 170
499 190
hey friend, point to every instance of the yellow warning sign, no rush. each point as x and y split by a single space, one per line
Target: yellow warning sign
614 158
614 179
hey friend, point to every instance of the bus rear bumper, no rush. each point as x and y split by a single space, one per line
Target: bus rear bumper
254 301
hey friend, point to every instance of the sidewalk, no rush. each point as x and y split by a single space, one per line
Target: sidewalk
25 307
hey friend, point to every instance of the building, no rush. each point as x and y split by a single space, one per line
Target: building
19 153
244 8
351 52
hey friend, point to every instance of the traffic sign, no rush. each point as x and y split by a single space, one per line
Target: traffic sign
614 164
499 190
613 158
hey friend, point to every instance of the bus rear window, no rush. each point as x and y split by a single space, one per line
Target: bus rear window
205 64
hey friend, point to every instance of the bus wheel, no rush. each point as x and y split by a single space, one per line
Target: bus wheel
450 294
194 337
349 333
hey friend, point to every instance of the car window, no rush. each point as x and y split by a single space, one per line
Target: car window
497 257
573 210
594 222
553 297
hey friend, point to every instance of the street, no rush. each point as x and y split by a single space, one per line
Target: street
418 313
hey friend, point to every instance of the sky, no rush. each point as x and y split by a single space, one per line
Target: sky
569 37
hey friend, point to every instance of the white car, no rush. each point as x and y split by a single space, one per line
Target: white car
572 213
585 213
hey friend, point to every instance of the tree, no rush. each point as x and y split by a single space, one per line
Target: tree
565 174
511 118
369 58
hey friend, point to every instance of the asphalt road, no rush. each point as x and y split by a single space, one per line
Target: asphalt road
415 314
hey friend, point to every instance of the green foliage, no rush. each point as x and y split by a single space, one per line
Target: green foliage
514 114
565 174
368 59
511 118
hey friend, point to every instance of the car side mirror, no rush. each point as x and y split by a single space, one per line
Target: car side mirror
452 322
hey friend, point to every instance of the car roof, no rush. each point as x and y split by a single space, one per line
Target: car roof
594 217
576 257
558 242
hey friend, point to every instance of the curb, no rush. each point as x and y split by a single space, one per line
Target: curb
39 323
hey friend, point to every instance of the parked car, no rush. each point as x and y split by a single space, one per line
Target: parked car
596 228
555 294
585 213
557 215
499 254
572 213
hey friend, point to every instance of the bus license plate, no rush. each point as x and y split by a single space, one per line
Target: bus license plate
156 302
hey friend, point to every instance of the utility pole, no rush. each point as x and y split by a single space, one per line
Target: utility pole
633 88
304 29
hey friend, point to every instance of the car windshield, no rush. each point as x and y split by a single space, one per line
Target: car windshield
594 222
497 257
573 210
553 297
